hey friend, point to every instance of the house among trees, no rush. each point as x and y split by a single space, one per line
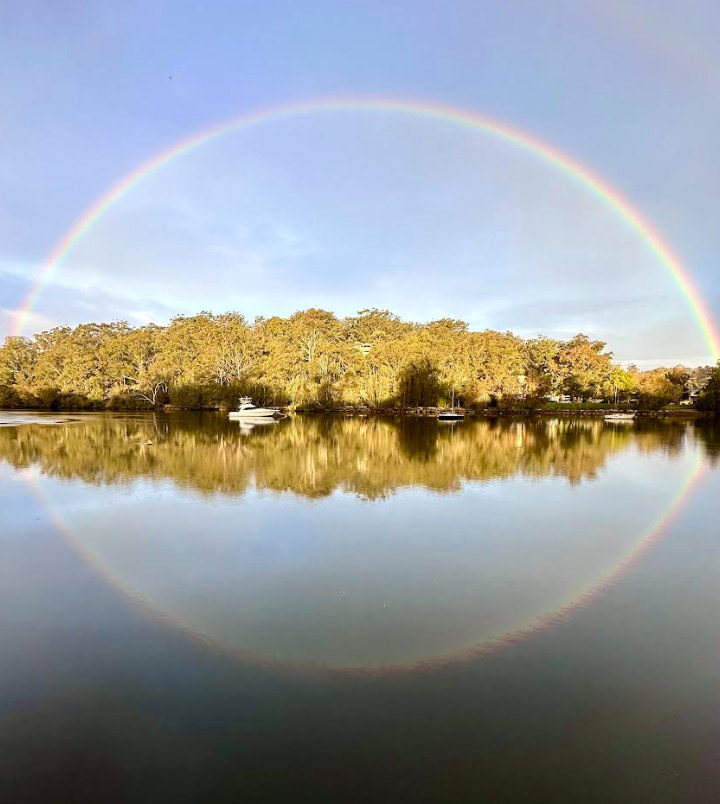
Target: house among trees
694 388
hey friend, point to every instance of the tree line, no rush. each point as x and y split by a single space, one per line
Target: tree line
315 358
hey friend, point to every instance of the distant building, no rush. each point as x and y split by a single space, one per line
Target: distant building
690 397
693 389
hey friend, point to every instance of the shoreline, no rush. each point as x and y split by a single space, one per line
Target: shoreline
491 413
412 413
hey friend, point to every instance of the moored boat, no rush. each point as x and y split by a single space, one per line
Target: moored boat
452 415
246 410
619 417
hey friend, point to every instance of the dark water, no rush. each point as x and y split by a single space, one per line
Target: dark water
331 609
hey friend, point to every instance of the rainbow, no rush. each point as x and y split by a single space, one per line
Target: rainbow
569 166
487 647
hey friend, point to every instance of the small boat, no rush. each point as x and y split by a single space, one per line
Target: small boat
246 410
452 415
619 417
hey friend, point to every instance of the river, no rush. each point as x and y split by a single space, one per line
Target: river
336 608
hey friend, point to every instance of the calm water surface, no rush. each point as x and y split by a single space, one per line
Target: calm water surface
336 609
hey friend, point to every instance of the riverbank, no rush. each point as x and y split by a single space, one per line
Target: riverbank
557 410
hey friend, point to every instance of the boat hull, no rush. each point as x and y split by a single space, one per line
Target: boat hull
450 417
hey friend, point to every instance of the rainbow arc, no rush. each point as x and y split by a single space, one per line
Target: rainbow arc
572 168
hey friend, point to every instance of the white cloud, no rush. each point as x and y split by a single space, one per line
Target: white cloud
144 318
9 320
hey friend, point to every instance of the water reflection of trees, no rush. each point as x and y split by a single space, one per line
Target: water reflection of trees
708 434
314 456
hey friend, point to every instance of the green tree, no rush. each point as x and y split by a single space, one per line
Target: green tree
587 367
654 389
710 396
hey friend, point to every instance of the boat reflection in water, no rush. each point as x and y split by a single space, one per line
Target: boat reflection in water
247 425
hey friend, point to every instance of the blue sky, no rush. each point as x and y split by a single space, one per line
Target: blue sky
349 210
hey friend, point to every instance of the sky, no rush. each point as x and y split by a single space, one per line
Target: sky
348 209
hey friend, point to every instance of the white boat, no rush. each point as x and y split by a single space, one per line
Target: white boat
453 415
619 417
246 410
